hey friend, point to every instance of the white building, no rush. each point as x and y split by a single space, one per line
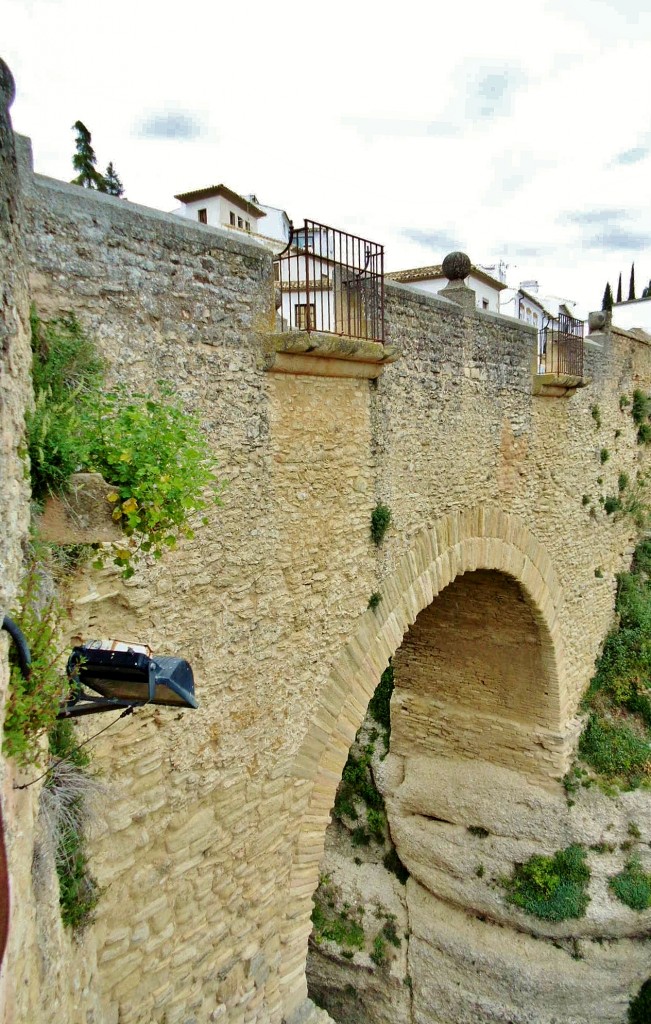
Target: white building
432 280
634 313
220 207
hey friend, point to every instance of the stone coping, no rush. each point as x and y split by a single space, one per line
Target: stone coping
558 385
326 355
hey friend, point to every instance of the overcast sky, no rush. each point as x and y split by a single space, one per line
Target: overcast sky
515 131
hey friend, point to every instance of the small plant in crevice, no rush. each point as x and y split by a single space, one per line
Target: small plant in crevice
623 481
68 802
479 831
380 522
595 412
33 703
374 600
639 1010
553 888
599 573
343 926
379 706
379 952
585 500
624 402
604 455
632 886
641 413
392 863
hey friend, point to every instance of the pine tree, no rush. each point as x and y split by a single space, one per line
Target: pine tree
84 160
619 288
631 287
646 294
607 301
114 186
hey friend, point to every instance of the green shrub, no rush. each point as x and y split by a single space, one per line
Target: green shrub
622 482
380 703
641 407
595 412
150 451
632 886
67 376
379 952
374 600
639 1011
615 751
644 433
377 823
33 703
156 458
624 401
552 888
612 504
337 927
392 863
604 455
380 522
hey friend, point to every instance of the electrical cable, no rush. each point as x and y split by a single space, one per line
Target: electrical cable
26 785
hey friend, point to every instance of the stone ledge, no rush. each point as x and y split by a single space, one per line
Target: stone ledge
82 515
325 355
558 385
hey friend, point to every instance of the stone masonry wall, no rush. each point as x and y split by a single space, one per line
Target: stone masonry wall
210 843
470 676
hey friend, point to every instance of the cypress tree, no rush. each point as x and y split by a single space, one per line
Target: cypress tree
631 287
619 288
84 160
607 301
114 186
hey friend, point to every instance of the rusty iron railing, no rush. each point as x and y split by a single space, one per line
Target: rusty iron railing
560 346
331 281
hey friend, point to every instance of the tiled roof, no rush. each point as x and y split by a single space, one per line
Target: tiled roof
221 190
436 272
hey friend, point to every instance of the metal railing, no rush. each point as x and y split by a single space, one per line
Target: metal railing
560 346
331 281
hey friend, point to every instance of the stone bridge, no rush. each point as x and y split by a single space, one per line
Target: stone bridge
497 583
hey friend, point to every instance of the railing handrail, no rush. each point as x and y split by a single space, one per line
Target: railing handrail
317 254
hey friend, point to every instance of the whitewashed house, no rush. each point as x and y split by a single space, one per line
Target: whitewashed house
432 280
220 207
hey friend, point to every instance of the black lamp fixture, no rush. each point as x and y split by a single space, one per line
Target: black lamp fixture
123 675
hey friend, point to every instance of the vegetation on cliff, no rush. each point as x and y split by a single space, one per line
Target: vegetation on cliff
150 450
615 747
553 888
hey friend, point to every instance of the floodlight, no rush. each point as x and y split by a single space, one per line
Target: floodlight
125 675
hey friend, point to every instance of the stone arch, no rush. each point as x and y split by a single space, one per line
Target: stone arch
482 538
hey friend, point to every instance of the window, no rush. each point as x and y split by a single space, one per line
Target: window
232 220
203 216
484 303
247 225
240 222
304 313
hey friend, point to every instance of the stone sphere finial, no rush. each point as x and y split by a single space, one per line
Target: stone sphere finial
456 266
7 86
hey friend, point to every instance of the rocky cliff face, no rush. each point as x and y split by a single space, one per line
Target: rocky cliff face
466 954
